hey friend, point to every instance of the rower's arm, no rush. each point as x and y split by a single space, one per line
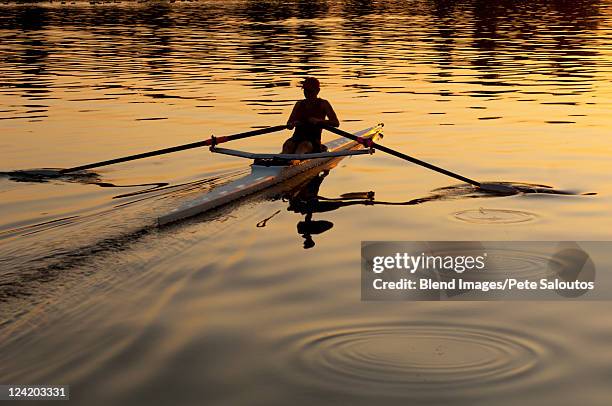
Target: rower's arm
331 115
293 117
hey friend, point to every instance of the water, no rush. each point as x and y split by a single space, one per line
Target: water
221 310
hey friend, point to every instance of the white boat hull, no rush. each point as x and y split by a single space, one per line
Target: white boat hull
260 178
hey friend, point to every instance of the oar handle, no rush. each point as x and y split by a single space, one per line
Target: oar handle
371 144
208 142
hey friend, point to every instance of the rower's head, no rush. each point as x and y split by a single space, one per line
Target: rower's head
311 87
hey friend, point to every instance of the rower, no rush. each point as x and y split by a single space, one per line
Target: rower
307 117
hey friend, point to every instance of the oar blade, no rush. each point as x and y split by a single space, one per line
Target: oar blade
498 188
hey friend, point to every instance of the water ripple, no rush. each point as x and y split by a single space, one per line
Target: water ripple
411 359
494 216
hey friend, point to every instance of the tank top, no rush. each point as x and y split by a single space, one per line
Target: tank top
306 131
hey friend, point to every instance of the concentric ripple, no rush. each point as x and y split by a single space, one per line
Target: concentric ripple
410 360
526 264
519 260
494 216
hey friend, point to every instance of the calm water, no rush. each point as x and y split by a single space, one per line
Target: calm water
221 310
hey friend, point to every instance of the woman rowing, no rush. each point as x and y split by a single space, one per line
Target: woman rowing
307 117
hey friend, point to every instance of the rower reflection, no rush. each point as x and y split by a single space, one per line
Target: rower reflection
305 199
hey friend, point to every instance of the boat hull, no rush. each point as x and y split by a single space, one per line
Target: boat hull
260 178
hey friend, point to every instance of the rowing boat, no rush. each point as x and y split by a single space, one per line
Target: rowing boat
265 172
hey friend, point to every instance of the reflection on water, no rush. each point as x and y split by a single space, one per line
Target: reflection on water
230 308
162 53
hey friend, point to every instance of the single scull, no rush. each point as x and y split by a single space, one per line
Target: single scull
264 175
271 169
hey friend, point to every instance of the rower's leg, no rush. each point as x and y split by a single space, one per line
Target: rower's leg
289 146
304 147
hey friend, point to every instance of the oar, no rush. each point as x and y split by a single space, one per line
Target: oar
211 141
491 187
